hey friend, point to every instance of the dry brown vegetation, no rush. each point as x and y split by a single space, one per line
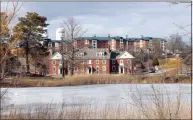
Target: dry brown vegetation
107 112
86 80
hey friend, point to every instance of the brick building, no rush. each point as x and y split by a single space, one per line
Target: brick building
115 43
94 61
101 54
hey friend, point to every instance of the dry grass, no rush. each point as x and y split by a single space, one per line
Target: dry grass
83 80
91 112
171 63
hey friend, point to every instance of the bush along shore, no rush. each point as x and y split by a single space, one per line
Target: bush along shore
91 79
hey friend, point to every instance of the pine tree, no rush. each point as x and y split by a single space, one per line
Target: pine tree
33 27
155 61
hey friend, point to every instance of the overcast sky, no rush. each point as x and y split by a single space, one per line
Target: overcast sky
115 18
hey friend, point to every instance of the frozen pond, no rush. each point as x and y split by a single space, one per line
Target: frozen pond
93 94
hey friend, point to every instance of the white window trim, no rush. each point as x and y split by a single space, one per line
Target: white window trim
89 61
98 68
103 61
97 61
104 68
102 54
53 62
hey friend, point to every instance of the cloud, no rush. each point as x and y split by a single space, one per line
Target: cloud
116 18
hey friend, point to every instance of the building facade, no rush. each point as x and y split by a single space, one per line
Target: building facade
94 61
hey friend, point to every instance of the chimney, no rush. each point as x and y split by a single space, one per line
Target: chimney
141 36
109 35
126 36
94 35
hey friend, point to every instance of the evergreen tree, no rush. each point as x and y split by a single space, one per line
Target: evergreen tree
32 27
155 61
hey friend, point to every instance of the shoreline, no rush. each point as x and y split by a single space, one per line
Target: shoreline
23 82
92 84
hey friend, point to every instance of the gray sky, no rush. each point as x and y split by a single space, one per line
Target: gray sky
115 18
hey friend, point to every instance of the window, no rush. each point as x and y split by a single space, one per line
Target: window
113 68
102 54
97 54
86 41
54 62
54 68
97 61
75 68
89 61
121 40
81 54
129 61
49 44
113 61
121 61
97 69
82 68
104 68
104 61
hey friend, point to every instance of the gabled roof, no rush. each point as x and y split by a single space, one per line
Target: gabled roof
92 53
56 56
124 54
119 55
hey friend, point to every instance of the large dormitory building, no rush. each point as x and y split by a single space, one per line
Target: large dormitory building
101 54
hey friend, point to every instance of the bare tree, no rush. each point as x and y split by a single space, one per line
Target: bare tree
7 40
72 31
175 42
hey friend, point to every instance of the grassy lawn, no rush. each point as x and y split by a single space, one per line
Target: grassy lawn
171 63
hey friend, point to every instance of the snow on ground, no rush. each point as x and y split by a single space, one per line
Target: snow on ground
91 94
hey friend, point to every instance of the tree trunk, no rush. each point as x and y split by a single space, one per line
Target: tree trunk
35 69
27 59
2 70
72 69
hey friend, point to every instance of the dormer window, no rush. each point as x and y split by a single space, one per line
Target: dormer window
102 54
97 54
81 54
105 53
121 40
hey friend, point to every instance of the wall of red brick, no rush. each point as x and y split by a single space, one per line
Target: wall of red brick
94 64
51 66
102 44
